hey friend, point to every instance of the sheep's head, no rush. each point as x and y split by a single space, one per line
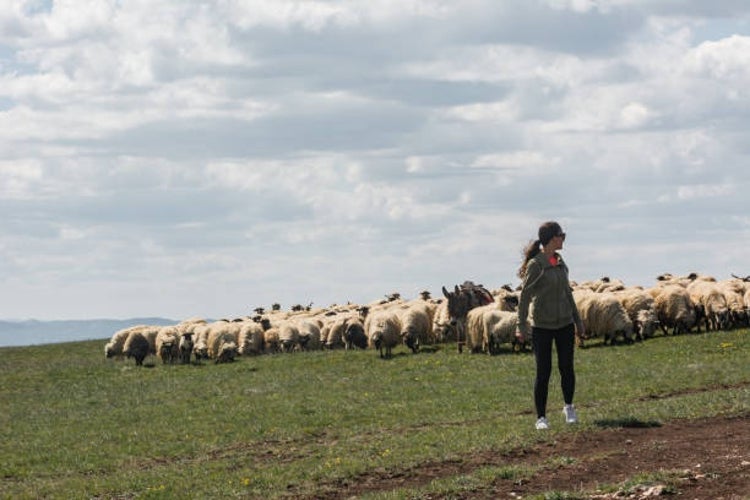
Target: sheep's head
410 338
200 350
227 352
355 334
647 323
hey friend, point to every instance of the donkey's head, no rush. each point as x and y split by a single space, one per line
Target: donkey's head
459 304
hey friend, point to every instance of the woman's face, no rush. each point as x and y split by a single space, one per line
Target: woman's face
558 240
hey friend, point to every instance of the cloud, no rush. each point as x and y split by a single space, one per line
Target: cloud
178 160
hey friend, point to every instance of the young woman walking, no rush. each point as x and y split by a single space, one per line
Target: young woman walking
555 318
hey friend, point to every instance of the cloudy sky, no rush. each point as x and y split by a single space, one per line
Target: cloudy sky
180 158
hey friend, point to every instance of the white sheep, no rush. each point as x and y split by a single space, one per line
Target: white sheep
475 328
710 300
271 340
250 339
603 315
441 324
168 344
200 341
383 329
288 336
309 333
416 324
334 329
489 327
674 309
114 348
222 342
639 304
734 293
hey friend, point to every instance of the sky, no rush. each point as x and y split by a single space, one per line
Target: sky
181 158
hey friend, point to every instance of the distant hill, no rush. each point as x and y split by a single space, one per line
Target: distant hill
33 332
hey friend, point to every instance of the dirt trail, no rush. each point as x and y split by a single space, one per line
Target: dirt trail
706 459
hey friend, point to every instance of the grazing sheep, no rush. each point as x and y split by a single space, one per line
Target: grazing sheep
114 348
712 303
734 292
639 304
271 340
354 334
416 324
186 347
168 344
309 334
489 327
200 339
137 346
250 339
475 325
674 309
222 342
288 336
442 329
383 329
335 328
603 315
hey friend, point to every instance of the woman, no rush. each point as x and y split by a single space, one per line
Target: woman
555 317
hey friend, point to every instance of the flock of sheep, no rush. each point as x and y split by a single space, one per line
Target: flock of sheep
609 310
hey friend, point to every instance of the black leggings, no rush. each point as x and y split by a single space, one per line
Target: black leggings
564 340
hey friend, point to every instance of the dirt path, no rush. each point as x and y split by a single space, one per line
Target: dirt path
705 459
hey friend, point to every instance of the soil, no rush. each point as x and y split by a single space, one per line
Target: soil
692 459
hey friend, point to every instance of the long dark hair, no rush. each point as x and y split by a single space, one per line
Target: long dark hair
546 232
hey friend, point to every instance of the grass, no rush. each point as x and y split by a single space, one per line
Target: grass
75 425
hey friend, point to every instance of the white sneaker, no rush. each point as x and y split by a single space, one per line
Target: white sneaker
542 424
570 414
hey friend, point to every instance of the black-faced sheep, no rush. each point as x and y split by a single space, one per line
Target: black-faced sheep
168 344
354 333
186 347
288 336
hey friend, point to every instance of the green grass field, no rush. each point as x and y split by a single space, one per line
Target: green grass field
76 425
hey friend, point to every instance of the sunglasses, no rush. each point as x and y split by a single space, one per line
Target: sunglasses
561 235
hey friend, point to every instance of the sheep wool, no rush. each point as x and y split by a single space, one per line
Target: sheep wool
675 309
383 329
115 346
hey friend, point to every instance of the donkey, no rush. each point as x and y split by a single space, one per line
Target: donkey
462 300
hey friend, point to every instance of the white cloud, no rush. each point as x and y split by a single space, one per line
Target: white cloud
296 151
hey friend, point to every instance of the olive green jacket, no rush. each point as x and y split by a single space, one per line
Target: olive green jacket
547 289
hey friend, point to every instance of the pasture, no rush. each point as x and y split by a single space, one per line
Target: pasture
317 424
